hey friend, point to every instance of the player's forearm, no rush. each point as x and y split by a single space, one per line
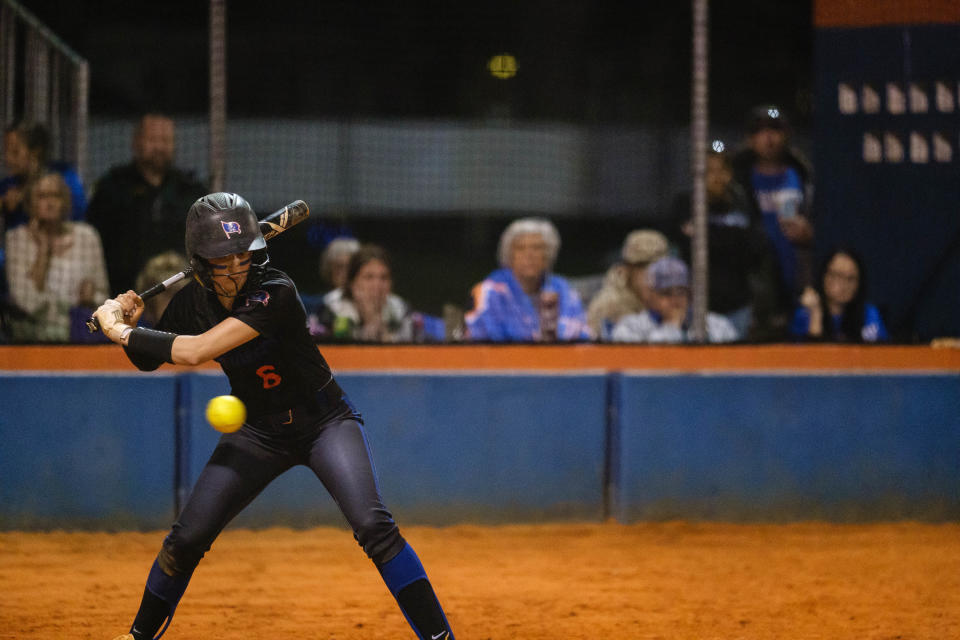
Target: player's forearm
191 351
195 350
151 346
148 349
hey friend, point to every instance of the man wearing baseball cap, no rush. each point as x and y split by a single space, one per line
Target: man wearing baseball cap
625 288
780 182
668 318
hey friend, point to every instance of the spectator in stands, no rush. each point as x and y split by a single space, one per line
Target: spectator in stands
523 301
737 243
668 319
53 266
835 309
26 154
157 269
335 263
367 310
780 182
625 289
139 207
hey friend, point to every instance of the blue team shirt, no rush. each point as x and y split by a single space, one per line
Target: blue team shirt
780 196
873 329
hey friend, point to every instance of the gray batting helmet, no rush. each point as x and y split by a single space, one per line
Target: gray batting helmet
221 224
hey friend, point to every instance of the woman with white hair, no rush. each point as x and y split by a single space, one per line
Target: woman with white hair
523 301
335 261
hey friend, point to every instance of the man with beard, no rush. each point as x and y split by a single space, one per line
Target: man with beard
138 207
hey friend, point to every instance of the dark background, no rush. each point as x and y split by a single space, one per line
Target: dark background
592 64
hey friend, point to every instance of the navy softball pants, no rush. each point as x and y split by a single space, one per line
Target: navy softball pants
246 461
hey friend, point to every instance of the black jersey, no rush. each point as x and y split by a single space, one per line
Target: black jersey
277 370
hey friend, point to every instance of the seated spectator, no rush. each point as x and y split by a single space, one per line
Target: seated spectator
53 265
668 318
736 239
625 289
836 310
334 264
157 269
366 309
523 301
26 149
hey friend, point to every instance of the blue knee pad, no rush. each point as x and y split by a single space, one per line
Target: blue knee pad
405 577
167 588
402 570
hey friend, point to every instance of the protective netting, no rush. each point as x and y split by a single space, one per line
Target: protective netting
43 80
427 168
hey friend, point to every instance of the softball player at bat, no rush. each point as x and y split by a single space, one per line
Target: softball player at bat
248 317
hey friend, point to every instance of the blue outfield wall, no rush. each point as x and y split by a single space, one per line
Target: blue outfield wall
479 448
772 447
121 451
89 451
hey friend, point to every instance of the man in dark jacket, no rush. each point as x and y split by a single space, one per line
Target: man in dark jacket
138 207
737 243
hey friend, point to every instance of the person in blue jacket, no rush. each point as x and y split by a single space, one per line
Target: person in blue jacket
523 301
836 309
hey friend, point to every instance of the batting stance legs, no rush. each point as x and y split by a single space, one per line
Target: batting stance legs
241 466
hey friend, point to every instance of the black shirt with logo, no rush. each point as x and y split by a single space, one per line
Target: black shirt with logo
279 369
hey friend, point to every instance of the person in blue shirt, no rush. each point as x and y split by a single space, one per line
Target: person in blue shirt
523 301
835 309
26 149
779 182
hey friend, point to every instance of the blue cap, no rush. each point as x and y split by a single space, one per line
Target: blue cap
668 272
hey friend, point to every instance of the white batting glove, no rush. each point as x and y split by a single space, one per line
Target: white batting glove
110 317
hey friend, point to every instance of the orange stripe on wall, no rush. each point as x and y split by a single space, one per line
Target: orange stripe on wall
871 13
539 357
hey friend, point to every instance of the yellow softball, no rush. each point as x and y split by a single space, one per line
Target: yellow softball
226 413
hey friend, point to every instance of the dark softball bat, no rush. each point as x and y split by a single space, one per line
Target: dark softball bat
273 225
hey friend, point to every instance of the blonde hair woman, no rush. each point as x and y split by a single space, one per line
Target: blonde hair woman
53 264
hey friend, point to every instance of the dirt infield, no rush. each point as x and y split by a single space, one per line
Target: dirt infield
658 580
